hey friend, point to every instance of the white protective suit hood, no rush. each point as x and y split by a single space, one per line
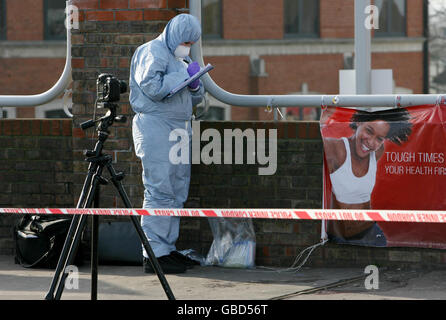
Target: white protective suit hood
182 28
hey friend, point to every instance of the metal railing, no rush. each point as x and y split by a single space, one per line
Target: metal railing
405 100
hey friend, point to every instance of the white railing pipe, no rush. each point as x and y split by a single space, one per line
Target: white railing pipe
405 100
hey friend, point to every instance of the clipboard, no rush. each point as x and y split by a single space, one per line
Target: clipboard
185 83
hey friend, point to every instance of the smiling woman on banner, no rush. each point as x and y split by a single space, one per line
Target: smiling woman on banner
352 163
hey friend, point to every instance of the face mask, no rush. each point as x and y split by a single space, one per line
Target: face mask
182 51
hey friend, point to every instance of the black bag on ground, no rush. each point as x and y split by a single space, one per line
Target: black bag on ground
39 240
119 244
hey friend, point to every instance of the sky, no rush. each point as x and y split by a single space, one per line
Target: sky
437 4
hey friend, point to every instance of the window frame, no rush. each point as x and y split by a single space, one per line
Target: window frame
55 105
214 35
3 16
46 35
383 34
317 34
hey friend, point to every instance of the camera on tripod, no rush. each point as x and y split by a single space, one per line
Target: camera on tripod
109 88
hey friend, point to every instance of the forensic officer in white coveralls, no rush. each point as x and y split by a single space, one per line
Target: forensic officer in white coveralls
157 67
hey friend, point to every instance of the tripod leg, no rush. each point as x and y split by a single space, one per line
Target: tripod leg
153 259
94 249
80 228
142 236
70 257
60 264
69 239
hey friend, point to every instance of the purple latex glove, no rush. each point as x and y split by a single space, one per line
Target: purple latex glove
192 69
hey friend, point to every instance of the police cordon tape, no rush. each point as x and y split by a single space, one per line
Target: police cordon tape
293 214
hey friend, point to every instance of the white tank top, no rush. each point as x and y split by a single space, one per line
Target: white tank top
347 187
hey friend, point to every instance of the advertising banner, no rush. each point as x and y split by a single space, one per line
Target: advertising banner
385 160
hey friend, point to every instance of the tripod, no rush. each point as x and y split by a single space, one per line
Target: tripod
89 196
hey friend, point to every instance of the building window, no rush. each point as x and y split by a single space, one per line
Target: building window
392 18
8 112
2 19
54 11
53 109
301 18
211 12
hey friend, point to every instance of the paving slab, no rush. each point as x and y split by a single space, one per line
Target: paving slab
217 283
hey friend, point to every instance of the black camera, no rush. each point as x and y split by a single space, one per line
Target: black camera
109 88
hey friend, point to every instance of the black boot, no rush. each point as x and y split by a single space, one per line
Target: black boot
188 262
167 264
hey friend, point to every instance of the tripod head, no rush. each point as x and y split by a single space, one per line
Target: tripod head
104 122
107 120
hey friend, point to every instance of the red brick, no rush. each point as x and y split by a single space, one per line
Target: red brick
114 4
124 62
78 133
129 15
281 130
162 15
86 4
252 19
337 19
177 4
148 4
7 127
55 127
77 39
81 16
46 127
66 127
265 251
296 228
292 130
16 128
26 127
302 130
35 127
77 63
105 62
313 130
100 16
13 82
30 24
414 21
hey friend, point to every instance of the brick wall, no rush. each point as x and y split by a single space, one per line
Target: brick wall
30 24
414 22
337 19
296 184
36 170
109 33
263 19
252 19
36 167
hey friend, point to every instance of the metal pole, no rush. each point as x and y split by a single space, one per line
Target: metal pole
363 42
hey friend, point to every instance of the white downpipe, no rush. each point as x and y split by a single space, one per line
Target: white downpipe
303 100
51 94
